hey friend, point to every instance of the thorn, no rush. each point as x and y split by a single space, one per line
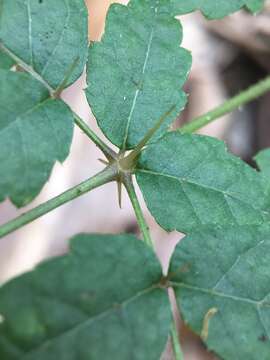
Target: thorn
119 189
104 161
126 162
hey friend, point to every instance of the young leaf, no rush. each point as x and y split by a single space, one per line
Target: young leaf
88 305
136 73
214 9
34 132
191 180
47 35
224 290
263 161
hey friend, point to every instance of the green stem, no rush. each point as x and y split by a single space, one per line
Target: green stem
105 176
138 211
175 343
234 103
107 151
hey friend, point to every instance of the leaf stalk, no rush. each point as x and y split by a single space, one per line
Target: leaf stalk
128 183
107 151
228 106
55 93
176 343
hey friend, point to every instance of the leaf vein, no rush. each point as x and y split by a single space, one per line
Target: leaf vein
138 89
220 294
233 196
89 321
65 26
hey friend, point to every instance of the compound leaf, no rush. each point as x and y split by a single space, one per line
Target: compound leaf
136 73
47 35
213 9
263 161
88 305
191 180
35 131
221 282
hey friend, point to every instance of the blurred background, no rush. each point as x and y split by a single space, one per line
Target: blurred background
228 56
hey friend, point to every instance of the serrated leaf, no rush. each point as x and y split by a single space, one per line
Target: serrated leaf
47 35
34 133
221 282
213 9
5 61
88 305
263 161
191 180
136 73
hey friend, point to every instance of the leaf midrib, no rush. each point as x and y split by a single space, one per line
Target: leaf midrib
185 180
30 70
59 39
150 41
211 292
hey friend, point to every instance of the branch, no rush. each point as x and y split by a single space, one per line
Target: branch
138 211
228 106
107 151
105 176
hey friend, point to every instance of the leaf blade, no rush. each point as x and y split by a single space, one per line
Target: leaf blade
45 44
263 161
142 43
106 309
35 132
5 62
231 276
214 9
189 181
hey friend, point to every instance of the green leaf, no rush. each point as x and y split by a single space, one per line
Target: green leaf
88 305
136 73
47 35
51 45
255 5
5 61
191 180
213 9
263 161
221 282
34 132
